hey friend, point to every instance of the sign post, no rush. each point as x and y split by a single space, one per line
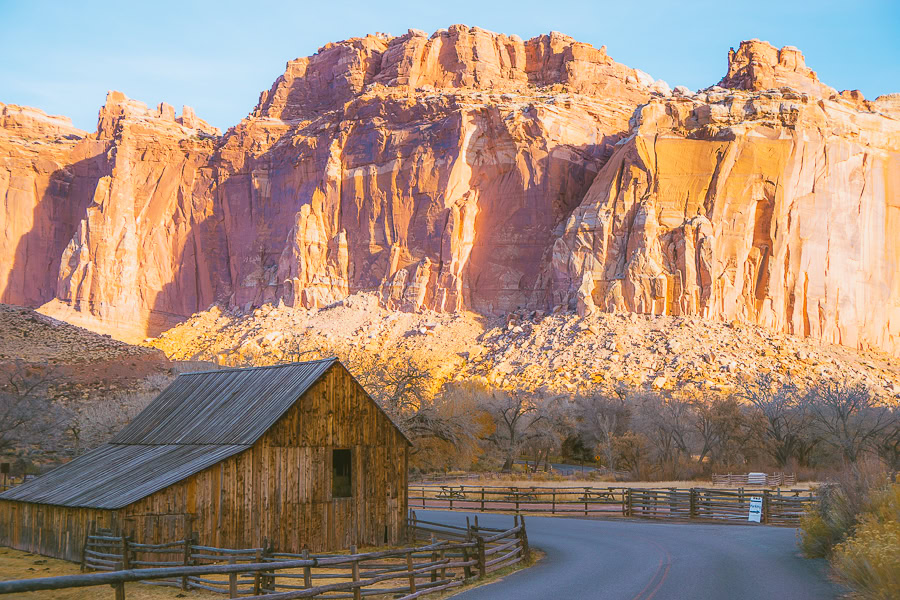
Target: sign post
756 503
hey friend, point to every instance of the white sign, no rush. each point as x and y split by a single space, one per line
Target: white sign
755 509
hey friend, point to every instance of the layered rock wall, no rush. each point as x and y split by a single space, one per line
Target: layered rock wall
471 170
777 209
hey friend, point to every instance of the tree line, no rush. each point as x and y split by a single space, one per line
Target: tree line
766 423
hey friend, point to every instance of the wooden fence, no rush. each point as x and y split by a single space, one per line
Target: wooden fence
780 507
755 479
451 557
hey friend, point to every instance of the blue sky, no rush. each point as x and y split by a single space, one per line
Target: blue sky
63 56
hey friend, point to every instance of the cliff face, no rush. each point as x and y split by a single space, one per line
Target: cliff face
47 173
472 170
775 208
346 177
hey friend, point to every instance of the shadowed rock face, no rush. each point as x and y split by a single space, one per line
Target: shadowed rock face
473 170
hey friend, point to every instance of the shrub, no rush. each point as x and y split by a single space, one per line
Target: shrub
816 537
869 561
842 503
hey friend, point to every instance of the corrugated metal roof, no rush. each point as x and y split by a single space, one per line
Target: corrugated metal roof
197 421
113 476
229 406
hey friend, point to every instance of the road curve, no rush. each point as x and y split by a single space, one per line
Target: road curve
629 560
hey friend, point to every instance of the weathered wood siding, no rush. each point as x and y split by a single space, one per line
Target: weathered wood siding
56 531
280 489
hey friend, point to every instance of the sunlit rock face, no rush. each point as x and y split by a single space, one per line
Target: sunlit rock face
778 208
430 169
469 170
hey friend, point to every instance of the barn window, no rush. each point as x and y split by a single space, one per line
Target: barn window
341 474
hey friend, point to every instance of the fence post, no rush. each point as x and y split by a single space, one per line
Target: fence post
523 538
232 580
553 507
187 560
256 573
482 568
119 587
467 569
357 594
693 513
482 499
765 507
126 563
586 498
411 534
628 503
434 557
84 550
307 573
410 568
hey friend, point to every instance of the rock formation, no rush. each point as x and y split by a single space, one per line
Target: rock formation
471 170
777 208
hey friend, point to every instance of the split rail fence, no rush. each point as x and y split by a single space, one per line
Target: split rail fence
779 507
450 557
757 479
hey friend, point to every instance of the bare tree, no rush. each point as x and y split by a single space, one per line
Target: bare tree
786 419
848 416
667 423
722 429
27 413
518 414
400 386
95 422
600 418
888 444
410 393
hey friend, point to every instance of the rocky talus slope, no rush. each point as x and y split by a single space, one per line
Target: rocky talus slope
529 349
79 364
472 171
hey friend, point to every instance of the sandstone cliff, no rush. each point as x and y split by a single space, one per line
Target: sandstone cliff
473 170
776 208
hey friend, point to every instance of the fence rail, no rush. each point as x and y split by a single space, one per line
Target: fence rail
450 557
780 507
755 479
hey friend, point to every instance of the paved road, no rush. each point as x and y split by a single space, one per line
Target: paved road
628 560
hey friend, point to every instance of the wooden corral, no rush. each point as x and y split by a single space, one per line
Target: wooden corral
297 454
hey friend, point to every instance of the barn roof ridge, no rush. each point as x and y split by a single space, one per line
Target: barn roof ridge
258 367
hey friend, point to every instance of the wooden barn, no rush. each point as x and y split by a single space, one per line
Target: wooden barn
297 454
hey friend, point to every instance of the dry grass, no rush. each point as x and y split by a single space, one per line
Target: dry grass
22 565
